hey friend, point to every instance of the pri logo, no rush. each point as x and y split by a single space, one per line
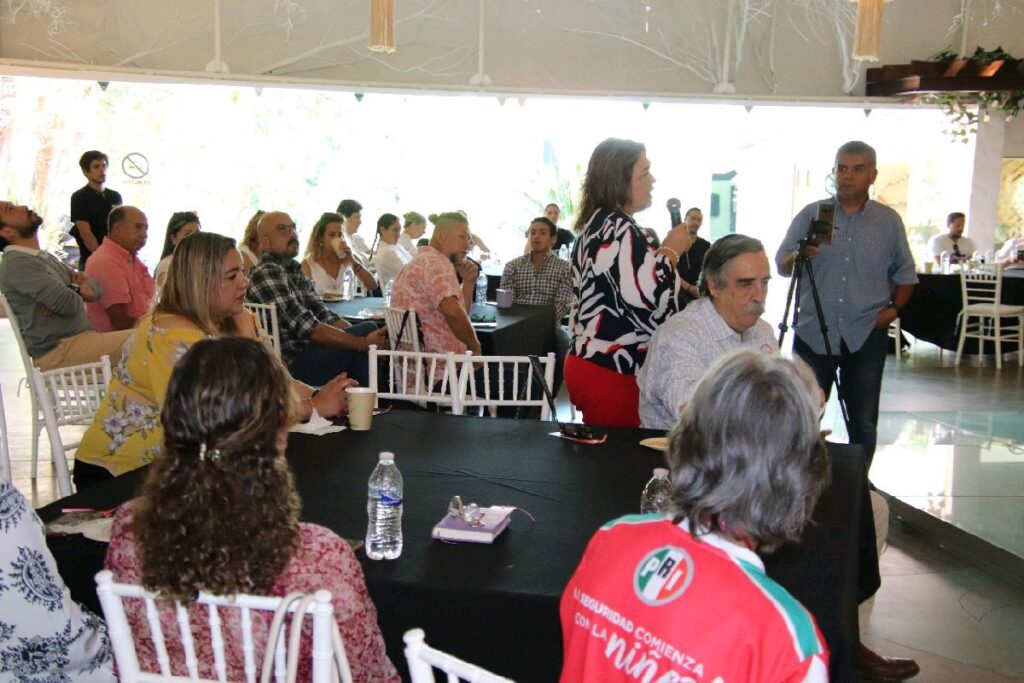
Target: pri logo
663 575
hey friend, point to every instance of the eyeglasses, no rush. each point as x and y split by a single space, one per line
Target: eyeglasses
470 514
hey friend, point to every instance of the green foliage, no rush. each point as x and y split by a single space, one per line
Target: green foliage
559 187
965 109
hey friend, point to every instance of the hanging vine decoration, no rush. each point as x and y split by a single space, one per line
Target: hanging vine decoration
966 110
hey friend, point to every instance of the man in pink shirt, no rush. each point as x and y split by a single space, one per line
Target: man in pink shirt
126 282
429 286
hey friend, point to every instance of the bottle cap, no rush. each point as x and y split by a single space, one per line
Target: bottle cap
659 473
387 456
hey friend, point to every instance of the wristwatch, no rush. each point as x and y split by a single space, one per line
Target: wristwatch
75 288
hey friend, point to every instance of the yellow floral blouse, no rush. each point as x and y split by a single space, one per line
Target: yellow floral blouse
126 432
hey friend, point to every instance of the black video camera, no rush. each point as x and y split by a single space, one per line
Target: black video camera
823 225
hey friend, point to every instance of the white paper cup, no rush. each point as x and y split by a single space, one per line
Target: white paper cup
503 298
360 408
340 248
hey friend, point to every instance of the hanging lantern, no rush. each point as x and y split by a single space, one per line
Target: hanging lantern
382 26
867 39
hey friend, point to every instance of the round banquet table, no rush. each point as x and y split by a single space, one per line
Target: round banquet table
515 331
497 605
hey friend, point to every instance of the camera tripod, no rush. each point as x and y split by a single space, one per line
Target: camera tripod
801 264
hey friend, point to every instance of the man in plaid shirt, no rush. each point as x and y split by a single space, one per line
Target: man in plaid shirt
316 344
540 278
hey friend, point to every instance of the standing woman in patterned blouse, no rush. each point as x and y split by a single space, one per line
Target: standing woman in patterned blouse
622 285
219 513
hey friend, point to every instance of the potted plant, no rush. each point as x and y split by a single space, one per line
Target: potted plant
951 62
988 62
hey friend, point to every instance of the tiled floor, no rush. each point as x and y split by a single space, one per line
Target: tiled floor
951 442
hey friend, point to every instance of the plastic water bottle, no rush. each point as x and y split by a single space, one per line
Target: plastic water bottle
563 252
346 285
481 288
657 496
387 292
384 509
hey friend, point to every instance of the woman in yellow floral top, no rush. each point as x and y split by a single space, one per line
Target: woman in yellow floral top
202 298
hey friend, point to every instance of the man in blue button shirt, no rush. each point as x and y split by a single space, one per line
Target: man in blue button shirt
864 277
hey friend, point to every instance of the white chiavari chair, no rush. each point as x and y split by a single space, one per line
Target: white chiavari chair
69 396
403 329
983 316
266 314
423 659
177 650
511 381
5 453
415 376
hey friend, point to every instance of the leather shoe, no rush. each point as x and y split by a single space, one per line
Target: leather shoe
874 667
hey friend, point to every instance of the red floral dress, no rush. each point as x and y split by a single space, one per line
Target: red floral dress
322 560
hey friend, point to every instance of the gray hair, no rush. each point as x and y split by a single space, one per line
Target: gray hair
725 249
746 455
857 147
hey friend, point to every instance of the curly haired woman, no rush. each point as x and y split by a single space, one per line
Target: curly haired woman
196 527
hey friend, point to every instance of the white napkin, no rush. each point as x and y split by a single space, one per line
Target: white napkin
95 529
317 425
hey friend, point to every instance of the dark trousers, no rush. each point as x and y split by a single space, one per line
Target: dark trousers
860 373
317 364
562 344
87 475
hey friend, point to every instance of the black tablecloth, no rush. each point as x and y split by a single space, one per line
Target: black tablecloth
498 605
931 312
493 282
519 330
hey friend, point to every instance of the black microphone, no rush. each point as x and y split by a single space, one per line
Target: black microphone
673 207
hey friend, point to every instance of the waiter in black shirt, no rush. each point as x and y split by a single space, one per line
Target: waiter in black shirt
91 205
692 262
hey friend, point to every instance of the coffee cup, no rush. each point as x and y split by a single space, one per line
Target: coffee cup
503 298
928 265
360 408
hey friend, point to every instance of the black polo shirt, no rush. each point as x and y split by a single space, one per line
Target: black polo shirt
93 208
690 265
563 238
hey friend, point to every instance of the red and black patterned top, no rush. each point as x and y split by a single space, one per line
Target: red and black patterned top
622 289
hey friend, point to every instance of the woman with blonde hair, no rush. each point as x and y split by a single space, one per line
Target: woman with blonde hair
226 418
250 246
414 227
328 257
202 298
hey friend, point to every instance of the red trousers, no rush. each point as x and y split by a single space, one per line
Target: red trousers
605 397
